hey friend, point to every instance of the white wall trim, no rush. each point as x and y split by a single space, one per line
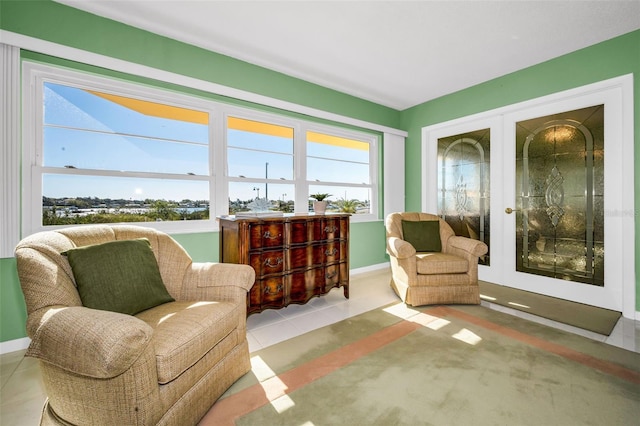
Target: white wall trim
370 268
393 174
9 149
78 55
14 345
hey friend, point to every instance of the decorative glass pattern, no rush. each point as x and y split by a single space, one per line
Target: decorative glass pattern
554 196
463 184
559 195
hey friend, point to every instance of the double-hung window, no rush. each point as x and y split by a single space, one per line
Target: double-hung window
101 150
260 163
340 166
108 153
278 165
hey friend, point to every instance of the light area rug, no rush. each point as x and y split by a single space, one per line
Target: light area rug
444 365
593 318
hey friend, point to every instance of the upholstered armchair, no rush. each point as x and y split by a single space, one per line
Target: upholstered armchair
159 350
429 263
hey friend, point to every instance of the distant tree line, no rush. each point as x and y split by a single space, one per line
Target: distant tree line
88 210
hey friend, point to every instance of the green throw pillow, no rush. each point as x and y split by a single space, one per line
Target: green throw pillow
424 235
119 276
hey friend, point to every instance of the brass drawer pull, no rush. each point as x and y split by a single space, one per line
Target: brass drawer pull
330 275
268 236
329 229
279 288
267 262
328 252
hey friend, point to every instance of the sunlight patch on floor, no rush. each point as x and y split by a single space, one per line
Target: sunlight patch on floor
274 388
489 298
429 321
467 336
403 311
519 305
260 369
282 404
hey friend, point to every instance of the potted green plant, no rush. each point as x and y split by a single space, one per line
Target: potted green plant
347 206
320 203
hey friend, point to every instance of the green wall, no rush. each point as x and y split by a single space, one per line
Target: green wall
57 23
13 312
606 60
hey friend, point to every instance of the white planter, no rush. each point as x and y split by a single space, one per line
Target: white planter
319 207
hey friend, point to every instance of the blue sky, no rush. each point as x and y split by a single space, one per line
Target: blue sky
88 132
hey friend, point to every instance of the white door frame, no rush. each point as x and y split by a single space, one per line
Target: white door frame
430 136
617 95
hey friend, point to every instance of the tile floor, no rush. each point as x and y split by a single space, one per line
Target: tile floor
22 393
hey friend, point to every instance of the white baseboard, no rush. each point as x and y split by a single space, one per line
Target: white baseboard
370 268
14 345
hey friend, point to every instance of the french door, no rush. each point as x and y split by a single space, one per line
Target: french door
556 217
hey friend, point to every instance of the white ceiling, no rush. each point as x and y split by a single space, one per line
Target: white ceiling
395 53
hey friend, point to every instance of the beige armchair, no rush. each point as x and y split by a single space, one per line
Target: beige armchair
444 275
164 365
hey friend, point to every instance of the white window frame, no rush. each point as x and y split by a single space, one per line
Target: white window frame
301 184
373 166
246 114
36 74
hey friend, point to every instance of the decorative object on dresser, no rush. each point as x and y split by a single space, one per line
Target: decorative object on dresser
295 257
320 202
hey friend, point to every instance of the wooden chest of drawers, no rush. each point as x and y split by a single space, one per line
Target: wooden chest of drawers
296 257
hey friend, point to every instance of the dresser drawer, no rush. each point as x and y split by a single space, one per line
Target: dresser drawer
326 278
266 235
303 284
267 293
300 257
273 293
267 262
327 253
327 229
299 232
331 276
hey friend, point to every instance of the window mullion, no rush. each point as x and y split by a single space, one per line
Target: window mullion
300 169
219 187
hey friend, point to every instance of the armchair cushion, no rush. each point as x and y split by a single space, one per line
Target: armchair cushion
184 332
120 276
440 263
424 235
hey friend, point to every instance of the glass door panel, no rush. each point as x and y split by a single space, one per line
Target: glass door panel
559 196
463 185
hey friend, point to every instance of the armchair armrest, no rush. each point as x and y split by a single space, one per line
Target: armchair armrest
217 281
400 248
89 342
472 247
